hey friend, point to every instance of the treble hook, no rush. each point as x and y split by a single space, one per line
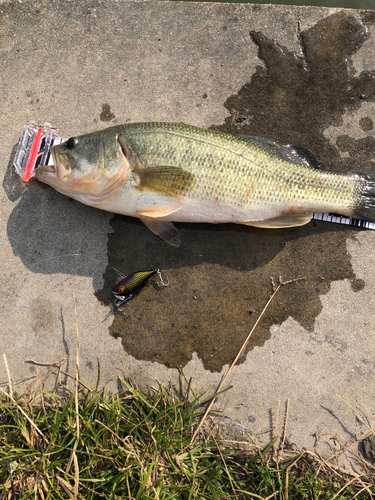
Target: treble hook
161 279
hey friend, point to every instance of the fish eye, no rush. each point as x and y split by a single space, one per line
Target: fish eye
70 143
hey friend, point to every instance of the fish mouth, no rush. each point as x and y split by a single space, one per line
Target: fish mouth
50 169
58 169
43 170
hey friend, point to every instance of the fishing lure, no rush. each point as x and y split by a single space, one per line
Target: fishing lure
130 285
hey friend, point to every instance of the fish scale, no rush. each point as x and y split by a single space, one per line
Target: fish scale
242 170
284 185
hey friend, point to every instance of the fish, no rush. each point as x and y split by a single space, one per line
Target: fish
169 172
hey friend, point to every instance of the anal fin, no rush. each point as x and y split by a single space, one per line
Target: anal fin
292 220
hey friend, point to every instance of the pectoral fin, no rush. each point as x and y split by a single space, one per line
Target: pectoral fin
164 229
283 221
168 181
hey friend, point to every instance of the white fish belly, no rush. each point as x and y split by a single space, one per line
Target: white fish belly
135 204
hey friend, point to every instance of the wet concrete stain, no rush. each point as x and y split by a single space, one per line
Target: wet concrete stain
366 124
106 115
41 314
220 277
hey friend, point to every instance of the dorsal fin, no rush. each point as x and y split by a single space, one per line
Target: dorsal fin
295 154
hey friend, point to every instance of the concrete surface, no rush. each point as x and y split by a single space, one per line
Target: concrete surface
89 64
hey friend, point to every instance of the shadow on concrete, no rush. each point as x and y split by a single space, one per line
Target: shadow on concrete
339 421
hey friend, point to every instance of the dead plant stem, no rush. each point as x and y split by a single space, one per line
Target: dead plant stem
25 415
73 456
9 377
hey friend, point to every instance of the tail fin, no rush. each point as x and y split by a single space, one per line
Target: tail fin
365 199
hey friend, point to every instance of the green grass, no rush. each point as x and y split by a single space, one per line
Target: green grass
87 445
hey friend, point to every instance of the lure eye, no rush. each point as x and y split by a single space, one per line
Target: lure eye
70 143
118 289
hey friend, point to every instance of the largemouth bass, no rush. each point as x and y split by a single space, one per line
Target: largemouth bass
164 172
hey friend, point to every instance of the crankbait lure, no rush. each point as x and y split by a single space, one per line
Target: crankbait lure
130 285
